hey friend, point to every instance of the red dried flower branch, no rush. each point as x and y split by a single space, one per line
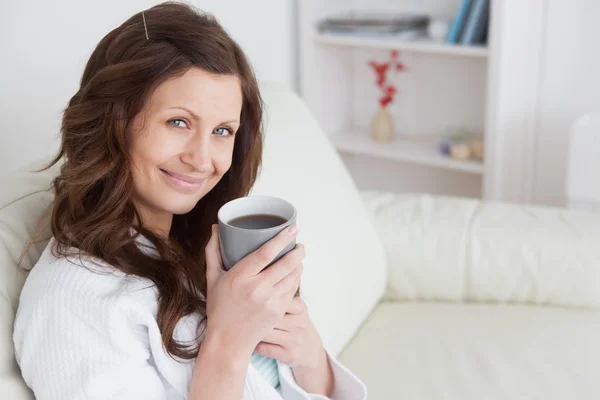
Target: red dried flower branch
381 70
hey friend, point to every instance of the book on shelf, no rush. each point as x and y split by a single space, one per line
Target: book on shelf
477 23
471 23
459 21
373 22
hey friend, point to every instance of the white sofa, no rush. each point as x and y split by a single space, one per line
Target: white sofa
423 297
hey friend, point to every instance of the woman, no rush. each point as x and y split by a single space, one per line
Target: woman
130 300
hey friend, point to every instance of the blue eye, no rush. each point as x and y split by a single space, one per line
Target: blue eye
177 123
223 131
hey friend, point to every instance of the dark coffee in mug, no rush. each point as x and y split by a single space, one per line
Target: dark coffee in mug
257 221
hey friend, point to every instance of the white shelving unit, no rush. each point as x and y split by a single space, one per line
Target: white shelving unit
445 87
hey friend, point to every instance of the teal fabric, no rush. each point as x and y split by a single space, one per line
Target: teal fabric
267 367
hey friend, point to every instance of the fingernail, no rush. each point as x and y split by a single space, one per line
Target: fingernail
292 230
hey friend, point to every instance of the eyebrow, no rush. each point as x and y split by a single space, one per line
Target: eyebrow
197 117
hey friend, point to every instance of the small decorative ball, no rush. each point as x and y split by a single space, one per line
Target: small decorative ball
438 29
445 147
460 151
477 149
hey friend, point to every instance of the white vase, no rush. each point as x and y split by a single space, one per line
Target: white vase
382 126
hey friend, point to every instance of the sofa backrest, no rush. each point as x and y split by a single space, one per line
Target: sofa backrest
344 275
467 250
345 265
24 199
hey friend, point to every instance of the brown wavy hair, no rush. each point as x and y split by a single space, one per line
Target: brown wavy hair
93 209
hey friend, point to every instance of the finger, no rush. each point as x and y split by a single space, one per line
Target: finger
214 265
288 286
256 261
296 307
272 351
278 337
290 323
284 266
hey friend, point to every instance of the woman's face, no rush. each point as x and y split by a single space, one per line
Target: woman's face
181 143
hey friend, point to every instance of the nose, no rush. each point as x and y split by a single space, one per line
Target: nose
198 153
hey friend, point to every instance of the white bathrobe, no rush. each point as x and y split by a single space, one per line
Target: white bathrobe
91 333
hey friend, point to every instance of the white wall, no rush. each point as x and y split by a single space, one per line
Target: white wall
44 46
570 87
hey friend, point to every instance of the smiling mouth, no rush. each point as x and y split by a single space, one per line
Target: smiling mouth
183 181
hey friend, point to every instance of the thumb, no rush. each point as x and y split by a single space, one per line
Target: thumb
214 265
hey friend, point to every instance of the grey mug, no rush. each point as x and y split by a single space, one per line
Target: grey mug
237 243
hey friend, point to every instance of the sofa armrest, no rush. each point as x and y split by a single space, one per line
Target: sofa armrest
454 249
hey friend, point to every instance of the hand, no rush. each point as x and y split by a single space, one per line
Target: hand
294 341
246 302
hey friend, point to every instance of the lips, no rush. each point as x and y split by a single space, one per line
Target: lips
181 181
185 178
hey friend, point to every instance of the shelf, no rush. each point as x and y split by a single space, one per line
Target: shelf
419 45
416 149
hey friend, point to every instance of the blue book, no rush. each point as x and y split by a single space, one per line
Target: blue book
484 39
481 31
459 22
476 22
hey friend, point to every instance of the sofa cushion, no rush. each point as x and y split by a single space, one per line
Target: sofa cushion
462 351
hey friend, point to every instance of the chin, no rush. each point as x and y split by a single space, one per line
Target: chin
179 209
177 205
